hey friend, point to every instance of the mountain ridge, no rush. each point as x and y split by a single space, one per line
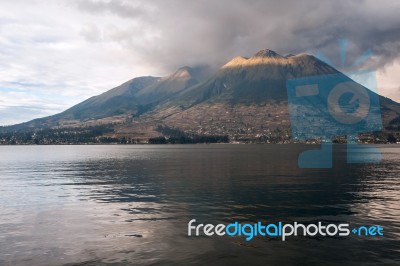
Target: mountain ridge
188 99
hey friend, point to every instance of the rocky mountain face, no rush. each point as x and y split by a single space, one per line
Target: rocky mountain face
245 99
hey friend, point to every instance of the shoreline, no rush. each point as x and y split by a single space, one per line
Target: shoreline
173 144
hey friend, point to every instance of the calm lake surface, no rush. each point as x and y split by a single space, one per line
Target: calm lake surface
130 205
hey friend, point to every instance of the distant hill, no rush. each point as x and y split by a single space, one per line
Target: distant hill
245 99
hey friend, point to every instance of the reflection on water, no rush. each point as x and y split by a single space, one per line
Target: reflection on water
100 205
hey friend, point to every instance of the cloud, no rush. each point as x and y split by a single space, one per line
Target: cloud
389 81
174 33
73 49
128 9
20 104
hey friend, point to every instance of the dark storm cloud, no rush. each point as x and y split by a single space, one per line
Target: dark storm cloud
175 33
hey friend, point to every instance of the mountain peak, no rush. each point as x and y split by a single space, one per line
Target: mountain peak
262 57
267 53
183 72
238 60
184 68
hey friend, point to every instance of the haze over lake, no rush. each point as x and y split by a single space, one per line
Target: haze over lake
99 205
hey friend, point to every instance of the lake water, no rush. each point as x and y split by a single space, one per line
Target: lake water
130 205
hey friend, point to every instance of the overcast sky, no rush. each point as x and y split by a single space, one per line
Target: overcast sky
54 54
